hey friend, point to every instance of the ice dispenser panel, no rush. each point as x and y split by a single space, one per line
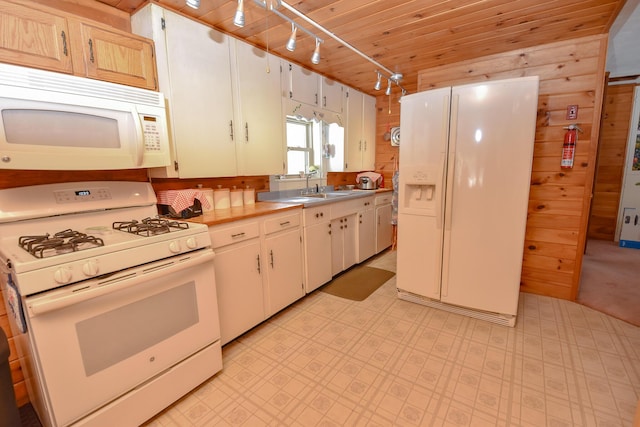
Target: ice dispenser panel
420 193
420 197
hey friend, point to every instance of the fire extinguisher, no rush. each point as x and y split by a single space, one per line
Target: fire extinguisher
569 145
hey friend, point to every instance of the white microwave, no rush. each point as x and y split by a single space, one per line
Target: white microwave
53 121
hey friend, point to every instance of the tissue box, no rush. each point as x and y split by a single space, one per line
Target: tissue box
191 211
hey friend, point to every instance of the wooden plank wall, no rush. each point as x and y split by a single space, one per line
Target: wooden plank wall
570 73
614 132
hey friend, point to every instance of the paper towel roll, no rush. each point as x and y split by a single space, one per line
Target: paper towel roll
221 198
249 196
236 198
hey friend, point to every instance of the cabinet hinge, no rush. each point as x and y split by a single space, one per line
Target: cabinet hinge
290 67
175 166
290 94
163 23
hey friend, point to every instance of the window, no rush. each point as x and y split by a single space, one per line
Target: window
299 145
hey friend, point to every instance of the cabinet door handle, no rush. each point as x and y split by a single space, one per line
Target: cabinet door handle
64 43
231 129
246 132
324 101
91 51
258 260
316 99
271 255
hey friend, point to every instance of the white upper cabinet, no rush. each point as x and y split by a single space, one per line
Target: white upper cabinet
224 97
301 84
331 95
195 76
360 143
260 124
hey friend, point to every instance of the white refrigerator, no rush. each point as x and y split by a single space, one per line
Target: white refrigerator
465 171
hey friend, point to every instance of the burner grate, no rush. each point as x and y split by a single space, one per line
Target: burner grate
62 242
149 226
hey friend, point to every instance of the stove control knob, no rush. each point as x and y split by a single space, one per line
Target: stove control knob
174 247
90 268
192 243
62 275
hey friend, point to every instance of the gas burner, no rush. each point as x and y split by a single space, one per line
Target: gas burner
62 242
149 226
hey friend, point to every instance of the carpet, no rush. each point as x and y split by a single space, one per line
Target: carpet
609 282
357 283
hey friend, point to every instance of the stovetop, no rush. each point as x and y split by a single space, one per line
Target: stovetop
104 237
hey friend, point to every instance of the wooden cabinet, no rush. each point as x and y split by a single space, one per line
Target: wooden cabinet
360 151
366 230
258 268
259 124
40 37
283 261
343 243
104 54
317 247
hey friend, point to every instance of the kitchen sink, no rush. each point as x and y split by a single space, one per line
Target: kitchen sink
325 195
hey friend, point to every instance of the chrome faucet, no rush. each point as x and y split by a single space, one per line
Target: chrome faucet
307 176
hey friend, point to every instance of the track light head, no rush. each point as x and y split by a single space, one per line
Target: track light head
315 58
238 19
396 77
378 82
193 3
291 43
388 91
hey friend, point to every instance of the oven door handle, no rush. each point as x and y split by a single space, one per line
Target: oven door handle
47 303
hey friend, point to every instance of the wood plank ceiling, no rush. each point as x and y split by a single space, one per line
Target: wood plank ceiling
403 36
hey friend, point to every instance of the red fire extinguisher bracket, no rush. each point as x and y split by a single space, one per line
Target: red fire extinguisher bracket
569 145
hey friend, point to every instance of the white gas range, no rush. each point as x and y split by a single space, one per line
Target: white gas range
114 311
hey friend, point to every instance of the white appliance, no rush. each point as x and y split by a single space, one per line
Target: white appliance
54 121
114 310
465 171
628 225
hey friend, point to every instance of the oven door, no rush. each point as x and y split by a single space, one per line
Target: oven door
98 339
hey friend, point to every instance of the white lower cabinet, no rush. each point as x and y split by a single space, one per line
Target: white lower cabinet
343 243
366 231
283 262
317 247
258 267
384 228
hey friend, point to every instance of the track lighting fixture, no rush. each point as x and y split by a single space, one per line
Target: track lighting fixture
315 58
378 82
291 43
193 3
238 19
273 6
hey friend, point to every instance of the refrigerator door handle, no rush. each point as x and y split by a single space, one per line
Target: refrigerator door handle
451 168
451 163
443 169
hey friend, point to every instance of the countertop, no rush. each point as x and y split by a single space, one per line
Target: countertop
223 216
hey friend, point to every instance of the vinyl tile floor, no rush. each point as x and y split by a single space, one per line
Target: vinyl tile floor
327 361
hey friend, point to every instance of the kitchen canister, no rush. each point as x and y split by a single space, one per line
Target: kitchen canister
221 199
208 194
249 196
237 197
